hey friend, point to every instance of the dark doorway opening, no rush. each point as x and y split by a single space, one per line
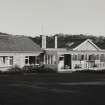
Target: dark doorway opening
67 61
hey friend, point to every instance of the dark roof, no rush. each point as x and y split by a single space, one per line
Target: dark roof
17 43
73 44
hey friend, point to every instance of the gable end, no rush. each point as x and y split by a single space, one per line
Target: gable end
87 45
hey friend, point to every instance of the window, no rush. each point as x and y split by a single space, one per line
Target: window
79 57
74 57
26 60
97 57
51 59
86 57
91 57
82 57
102 58
11 60
61 58
46 59
37 60
31 60
4 58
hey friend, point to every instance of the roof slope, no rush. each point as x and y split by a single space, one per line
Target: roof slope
17 43
74 44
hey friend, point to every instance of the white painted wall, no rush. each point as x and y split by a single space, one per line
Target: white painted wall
61 65
18 59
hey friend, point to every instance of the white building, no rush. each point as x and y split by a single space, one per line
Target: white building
18 50
80 55
22 51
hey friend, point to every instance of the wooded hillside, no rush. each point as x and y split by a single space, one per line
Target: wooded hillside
63 39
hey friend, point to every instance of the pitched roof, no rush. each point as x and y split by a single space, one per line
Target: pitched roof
17 43
74 44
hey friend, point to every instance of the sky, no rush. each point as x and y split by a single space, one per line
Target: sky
35 17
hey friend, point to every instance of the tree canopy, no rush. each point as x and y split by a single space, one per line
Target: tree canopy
63 39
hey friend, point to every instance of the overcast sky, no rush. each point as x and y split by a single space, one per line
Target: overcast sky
33 17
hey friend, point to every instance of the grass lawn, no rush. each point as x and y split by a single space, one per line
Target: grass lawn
53 89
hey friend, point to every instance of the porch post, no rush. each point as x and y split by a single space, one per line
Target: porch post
71 61
100 61
47 59
50 59
44 59
88 61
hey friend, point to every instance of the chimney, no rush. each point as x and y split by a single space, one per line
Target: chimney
43 41
55 41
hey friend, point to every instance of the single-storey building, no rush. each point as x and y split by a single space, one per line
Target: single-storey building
79 55
18 51
22 51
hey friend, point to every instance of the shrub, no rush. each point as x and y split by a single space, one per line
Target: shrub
91 71
15 70
30 69
37 69
45 70
77 66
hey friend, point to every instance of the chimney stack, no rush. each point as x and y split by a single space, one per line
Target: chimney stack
55 41
43 41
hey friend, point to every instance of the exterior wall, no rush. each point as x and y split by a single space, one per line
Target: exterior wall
88 64
18 59
85 64
87 49
61 64
48 63
51 59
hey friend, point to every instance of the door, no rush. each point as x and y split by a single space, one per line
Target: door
67 61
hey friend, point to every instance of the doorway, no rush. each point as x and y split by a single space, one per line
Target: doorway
67 61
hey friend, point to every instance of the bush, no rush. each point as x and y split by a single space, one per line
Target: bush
37 69
30 68
15 70
45 70
77 66
91 71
